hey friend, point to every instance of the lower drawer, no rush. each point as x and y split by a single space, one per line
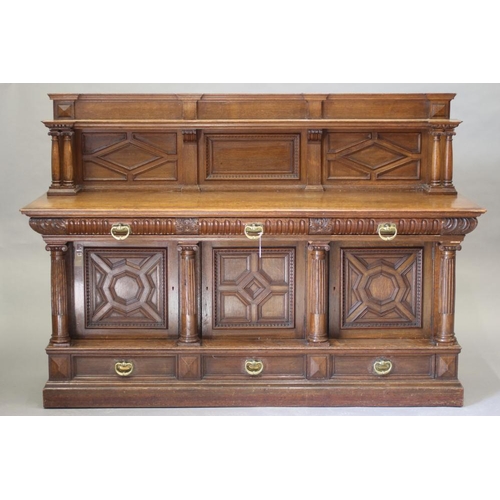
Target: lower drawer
251 367
124 368
383 366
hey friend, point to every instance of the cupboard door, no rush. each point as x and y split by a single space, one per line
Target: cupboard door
382 291
122 292
248 295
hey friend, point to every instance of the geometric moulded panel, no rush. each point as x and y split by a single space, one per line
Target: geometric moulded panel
125 288
373 156
382 288
129 157
254 292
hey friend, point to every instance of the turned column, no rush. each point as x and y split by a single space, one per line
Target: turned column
59 294
63 161
436 159
188 296
56 159
68 169
317 293
448 160
446 330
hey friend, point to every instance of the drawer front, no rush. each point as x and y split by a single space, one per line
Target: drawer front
124 367
254 367
384 366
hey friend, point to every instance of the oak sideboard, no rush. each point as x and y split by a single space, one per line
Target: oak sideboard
252 250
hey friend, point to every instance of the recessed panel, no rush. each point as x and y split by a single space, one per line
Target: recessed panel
381 288
129 157
372 156
254 292
252 156
125 288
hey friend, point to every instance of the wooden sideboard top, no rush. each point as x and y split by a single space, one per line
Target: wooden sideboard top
249 106
252 204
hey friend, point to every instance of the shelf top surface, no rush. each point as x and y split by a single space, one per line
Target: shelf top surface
249 204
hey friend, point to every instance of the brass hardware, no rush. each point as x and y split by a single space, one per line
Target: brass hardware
124 368
387 231
120 231
254 230
254 367
382 367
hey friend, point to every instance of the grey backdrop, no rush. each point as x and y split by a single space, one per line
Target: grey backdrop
24 272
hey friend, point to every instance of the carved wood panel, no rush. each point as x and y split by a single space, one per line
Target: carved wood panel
381 288
373 156
254 292
252 156
125 288
129 157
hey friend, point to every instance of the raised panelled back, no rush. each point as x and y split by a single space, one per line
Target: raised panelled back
276 141
375 159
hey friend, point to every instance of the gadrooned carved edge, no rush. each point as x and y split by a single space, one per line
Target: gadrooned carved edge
235 227
463 225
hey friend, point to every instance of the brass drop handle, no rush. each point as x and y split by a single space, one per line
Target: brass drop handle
124 368
120 231
387 231
254 367
382 367
254 230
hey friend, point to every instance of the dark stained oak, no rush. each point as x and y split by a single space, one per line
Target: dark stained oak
227 250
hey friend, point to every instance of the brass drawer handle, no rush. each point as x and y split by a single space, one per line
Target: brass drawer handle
382 367
387 231
254 367
124 368
254 230
120 231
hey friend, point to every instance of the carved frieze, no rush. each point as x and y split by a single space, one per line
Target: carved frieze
235 227
369 226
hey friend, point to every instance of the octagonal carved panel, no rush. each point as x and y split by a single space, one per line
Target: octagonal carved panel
125 288
382 288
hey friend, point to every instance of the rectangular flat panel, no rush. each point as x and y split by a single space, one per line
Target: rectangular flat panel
356 108
104 366
251 109
154 109
273 366
401 365
252 156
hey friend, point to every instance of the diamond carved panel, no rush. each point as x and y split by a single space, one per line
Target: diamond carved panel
129 156
125 288
254 292
381 288
373 156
